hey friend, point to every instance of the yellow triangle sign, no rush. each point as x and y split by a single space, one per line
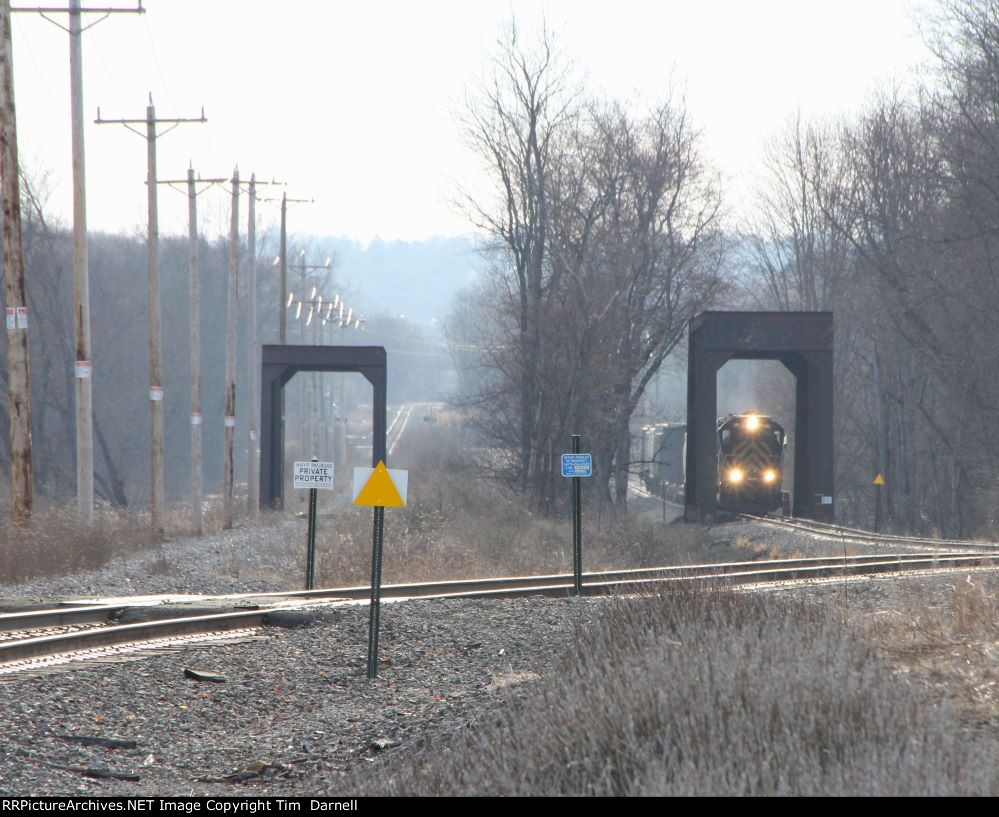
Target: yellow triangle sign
379 490
879 480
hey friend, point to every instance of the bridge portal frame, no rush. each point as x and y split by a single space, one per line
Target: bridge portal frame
803 342
279 363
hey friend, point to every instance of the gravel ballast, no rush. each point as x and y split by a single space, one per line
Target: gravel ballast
288 711
292 704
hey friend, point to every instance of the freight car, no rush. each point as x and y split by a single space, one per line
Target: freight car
663 457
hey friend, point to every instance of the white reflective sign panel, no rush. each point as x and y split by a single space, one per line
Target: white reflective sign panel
314 475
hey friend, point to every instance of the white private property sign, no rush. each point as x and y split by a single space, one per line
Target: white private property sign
314 475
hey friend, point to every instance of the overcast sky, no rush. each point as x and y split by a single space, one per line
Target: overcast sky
352 102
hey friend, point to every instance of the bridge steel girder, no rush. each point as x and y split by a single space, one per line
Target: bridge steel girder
279 363
803 342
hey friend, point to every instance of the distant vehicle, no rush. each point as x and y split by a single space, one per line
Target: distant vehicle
750 463
663 457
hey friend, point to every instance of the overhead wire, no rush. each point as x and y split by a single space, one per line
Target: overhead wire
26 41
156 61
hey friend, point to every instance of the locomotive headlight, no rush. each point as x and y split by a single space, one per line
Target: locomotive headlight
752 423
770 475
735 475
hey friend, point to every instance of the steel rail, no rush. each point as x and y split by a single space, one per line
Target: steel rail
47 645
732 573
67 615
448 586
464 587
59 617
841 533
536 585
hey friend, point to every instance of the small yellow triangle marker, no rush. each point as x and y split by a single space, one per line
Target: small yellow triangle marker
379 490
879 480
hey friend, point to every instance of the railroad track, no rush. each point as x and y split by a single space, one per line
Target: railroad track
828 530
57 635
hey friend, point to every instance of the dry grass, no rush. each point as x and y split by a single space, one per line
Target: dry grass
950 648
460 524
703 694
54 543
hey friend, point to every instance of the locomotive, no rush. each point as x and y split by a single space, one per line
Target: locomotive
750 463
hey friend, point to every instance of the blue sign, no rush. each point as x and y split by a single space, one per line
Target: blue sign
577 465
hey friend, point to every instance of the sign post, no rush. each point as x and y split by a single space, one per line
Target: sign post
315 476
379 488
879 481
576 466
374 610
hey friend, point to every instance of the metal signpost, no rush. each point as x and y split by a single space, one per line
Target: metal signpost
316 476
879 482
576 466
379 488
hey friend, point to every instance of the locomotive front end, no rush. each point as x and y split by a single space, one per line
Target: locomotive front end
750 463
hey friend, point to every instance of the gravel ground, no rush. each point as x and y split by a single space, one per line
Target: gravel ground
296 709
293 704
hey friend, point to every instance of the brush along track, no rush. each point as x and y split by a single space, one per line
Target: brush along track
839 533
79 644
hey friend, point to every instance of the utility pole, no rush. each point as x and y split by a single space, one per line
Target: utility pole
251 352
282 263
15 296
194 320
83 367
230 356
313 392
155 360
284 272
252 360
81 284
194 334
305 393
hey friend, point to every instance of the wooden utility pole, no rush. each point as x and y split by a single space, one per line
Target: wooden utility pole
253 399
194 333
83 367
155 334
282 306
316 436
230 356
15 296
81 284
194 317
282 262
311 393
155 356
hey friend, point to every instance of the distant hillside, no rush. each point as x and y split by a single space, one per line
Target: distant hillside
412 278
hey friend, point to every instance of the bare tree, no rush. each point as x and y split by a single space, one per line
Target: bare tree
512 125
